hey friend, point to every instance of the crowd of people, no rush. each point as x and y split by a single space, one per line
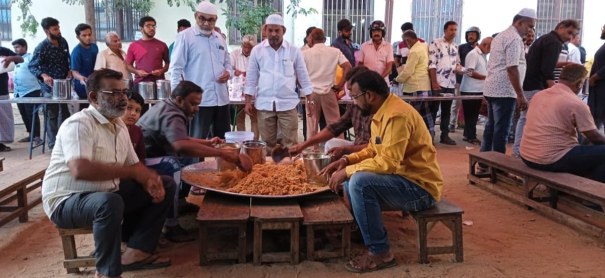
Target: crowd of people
117 170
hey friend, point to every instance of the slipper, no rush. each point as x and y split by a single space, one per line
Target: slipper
177 234
24 140
5 148
367 261
147 263
197 191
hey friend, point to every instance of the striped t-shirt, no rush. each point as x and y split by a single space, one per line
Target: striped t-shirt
563 57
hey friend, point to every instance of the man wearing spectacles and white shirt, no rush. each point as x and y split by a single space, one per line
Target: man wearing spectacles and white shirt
200 55
274 67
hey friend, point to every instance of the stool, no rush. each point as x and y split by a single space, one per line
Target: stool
278 215
220 211
72 262
448 214
322 214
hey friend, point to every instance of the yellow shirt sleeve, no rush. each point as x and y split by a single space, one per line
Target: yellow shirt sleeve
384 158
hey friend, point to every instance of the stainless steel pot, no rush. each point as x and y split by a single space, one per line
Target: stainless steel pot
61 89
221 163
147 90
163 91
127 83
314 163
257 150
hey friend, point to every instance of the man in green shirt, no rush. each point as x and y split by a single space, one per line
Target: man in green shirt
182 24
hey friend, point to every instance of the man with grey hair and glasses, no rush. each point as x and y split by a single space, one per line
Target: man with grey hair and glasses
113 57
239 62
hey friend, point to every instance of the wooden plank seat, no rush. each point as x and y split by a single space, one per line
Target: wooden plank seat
223 212
72 261
450 215
1 164
327 213
276 215
573 185
14 187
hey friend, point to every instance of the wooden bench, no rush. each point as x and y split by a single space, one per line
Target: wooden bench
1 164
448 214
72 261
326 213
14 187
223 212
276 215
524 192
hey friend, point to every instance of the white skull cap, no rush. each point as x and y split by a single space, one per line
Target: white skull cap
206 7
527 12
275 19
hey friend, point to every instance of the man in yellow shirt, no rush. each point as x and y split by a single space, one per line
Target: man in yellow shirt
414 76
398 169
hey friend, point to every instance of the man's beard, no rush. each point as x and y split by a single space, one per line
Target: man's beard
365 109
603 36
55 37
274 40
346 37
148 35
110 110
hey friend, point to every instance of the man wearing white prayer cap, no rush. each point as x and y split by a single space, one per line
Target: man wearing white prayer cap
503 87
274 67
191 58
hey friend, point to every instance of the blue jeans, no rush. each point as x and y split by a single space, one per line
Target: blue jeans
521 123
499 117
370 193
170 166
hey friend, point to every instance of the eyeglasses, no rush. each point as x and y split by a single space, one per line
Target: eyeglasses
151 26
355 97
119 93
202 19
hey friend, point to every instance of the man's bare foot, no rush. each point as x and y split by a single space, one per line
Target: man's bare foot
123 246
99 275
131 256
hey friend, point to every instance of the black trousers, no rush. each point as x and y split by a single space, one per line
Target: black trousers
471 108
125 215
27 114
57 114
446 107
210 122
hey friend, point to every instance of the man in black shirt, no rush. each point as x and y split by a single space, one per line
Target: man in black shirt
541 62
51 61
472 36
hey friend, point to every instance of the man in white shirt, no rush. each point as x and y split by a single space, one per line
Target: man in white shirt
113 57
503 87
575 56
472 84
321 61
239 60
201 56
274 67
96 180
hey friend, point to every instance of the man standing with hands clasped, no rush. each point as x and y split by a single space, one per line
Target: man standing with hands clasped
200 55
147 58
274 67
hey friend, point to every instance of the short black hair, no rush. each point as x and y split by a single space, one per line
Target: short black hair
184 89
48 22
448 24
81 27
145 19
407 26
137 98
355 71
568 23
95 80
310 29
20 42
410 34
183 23
371 81
344 24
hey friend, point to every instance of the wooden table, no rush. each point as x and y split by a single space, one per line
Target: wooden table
1 164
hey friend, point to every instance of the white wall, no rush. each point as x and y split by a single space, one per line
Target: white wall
593 21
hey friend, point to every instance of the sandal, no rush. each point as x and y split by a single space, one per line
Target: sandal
4 148
147 263
197 191
24 140
367 259
177 234
447 141
474 141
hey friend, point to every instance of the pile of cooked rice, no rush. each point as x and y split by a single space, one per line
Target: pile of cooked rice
265 179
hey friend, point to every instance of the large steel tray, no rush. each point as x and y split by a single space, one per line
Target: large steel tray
211 166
